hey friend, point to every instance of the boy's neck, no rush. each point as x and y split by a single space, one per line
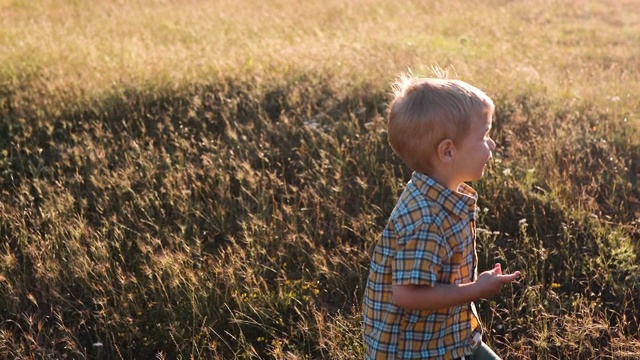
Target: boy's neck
444 180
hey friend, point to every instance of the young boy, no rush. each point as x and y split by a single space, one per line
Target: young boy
423 280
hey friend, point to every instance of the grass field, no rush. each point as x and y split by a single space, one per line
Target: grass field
206 180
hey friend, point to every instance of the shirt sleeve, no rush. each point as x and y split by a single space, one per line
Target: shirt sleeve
420 253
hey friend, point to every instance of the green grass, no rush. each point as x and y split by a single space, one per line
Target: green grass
196 181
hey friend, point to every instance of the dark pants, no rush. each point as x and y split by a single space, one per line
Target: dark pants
482 352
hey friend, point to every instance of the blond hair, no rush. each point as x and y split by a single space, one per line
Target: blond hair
426 111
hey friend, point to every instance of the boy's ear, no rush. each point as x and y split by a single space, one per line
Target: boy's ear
446 151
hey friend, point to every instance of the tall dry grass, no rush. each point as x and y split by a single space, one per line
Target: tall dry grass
182 179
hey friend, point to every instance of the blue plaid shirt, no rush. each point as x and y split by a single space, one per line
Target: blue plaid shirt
429 239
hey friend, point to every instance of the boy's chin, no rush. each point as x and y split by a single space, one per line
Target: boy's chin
477 176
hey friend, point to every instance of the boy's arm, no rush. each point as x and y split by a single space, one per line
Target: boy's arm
417 297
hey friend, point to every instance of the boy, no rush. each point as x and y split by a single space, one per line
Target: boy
423 280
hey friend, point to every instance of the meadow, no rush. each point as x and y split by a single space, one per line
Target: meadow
182 179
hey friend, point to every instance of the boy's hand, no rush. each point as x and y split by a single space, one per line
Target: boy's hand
492 281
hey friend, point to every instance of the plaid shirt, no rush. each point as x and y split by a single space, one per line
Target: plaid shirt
429 239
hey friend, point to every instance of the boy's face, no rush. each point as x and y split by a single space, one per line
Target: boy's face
474 151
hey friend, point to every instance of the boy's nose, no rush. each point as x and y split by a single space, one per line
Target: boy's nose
492 144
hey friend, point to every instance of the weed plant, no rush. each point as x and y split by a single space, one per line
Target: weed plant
227 209
226 220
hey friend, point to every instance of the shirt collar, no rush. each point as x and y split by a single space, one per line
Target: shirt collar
460 203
